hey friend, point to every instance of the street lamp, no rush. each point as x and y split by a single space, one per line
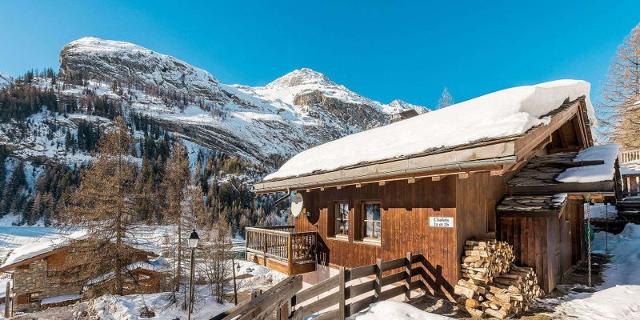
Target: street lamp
192 242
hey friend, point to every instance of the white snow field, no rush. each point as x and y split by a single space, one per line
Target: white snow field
617 298
500 114
388 310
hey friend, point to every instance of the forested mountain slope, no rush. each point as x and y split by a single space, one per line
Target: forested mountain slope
50 123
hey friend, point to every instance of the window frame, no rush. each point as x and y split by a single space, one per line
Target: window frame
337 213
364 221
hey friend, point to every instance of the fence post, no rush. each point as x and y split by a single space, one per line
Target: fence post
7 301
265 249
407 279
378 286
341 297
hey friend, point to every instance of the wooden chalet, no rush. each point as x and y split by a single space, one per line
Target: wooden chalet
431 202
56 274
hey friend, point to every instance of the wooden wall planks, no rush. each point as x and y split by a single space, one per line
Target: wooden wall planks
405 211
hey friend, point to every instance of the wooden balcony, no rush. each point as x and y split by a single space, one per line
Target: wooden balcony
629 156
282 249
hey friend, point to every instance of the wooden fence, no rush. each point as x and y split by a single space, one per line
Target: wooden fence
340 296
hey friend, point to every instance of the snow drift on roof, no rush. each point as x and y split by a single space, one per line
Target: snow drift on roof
595 173
33 249
500 114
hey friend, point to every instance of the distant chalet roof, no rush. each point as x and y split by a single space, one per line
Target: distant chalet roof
476 123
30 252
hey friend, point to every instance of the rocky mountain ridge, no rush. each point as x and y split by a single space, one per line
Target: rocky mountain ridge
263 125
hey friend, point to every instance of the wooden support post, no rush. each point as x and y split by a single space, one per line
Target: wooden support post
265 250
289 254
7 301
378 284
341 294
283 312
407 279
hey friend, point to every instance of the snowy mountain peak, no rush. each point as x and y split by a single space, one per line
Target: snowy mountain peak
302 76
401 105
91 58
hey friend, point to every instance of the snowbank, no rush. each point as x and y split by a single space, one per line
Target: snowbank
617 297
603 172
500 114
387 310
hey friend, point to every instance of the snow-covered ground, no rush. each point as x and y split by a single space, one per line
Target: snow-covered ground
617 297
388 310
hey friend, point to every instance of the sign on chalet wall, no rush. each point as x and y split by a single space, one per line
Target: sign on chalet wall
441 222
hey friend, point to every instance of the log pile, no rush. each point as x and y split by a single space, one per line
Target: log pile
493 287
483 260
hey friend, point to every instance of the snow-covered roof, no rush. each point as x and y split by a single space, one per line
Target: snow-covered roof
49 244
504 113
159 264
593 173
43 246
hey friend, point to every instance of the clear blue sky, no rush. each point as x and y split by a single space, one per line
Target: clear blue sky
381 49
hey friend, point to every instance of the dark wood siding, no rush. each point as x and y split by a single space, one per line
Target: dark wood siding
476 206
405 211
549 243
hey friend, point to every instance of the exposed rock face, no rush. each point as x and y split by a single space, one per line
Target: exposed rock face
127 63
357 115
263 125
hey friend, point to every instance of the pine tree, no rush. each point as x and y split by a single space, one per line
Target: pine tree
446 99
620 107
104 205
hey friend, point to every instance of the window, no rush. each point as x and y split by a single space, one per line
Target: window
342 219
371 222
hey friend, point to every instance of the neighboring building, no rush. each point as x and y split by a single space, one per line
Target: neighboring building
402 115
429 183
56 273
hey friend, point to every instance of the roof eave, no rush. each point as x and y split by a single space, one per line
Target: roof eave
490 155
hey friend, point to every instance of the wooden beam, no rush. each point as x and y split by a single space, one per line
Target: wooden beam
495 173
436 178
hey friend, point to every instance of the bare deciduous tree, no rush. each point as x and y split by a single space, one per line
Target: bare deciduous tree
446 99
620 108
216 260
175 181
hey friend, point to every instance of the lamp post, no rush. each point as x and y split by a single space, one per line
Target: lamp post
192 243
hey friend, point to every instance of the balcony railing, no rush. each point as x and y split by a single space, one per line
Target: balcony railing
629 156
282 244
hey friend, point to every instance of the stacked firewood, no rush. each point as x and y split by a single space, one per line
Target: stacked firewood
483 260
494 287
